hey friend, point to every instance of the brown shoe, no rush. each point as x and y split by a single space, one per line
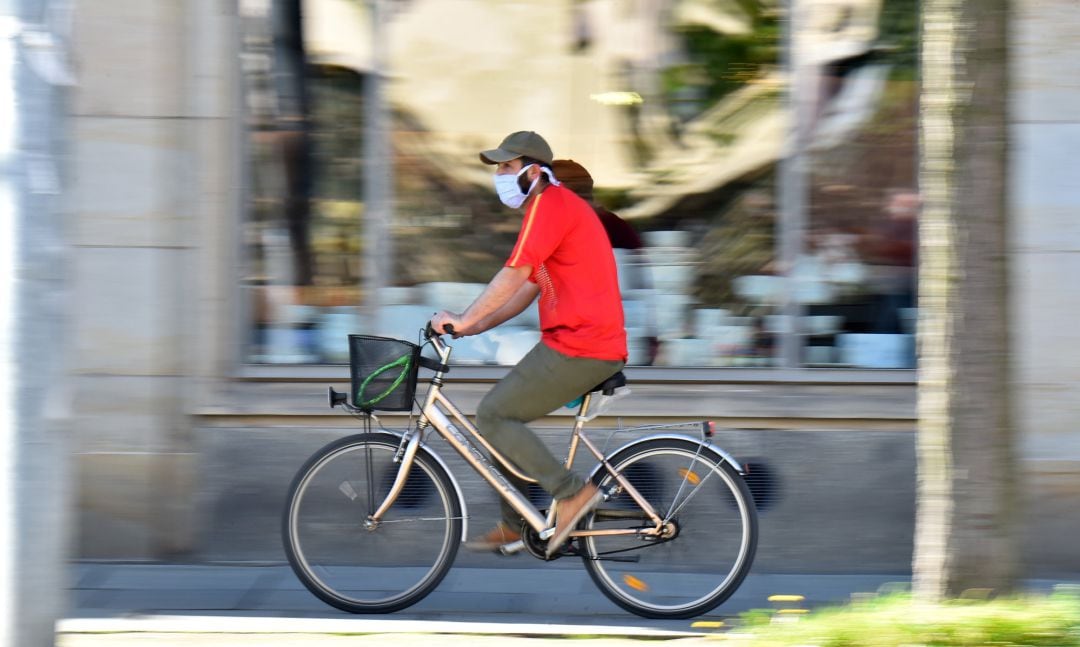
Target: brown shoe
498 537
569 511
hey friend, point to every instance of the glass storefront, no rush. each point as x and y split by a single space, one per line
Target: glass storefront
368 209
856 273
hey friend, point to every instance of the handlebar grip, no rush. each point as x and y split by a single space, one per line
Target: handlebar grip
429 332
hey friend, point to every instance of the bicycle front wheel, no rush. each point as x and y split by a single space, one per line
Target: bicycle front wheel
351 564
710 530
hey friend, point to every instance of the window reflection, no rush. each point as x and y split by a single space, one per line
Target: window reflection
301 234
673 109
858 272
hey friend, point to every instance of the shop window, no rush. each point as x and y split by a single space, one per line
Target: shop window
676 115
856 275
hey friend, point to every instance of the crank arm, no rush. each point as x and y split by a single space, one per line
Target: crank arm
629 559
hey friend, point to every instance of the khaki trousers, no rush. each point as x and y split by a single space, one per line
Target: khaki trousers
542 381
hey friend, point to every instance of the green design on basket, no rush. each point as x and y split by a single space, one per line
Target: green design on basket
405 361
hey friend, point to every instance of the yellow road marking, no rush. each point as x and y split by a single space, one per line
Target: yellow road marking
786 598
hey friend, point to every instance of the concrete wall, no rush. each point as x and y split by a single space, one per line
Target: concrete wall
154 174
840 501
1045 194
836 461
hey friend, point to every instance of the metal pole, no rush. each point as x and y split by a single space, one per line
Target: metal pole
33 501
378 171
792 190
8 430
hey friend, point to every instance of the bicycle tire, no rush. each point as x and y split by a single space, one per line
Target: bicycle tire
708 557
363 570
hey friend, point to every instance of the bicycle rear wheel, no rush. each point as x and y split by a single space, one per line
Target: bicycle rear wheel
712 522
370 570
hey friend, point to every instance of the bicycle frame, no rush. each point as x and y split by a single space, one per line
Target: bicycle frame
441 414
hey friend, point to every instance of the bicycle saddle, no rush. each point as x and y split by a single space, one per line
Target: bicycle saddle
608 386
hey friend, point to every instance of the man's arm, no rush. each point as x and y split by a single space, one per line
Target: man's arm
502 289
497 294
525 295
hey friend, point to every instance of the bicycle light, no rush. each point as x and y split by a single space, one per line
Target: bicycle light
335 397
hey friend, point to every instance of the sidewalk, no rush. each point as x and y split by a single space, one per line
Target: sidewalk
369 640
242 604
132 605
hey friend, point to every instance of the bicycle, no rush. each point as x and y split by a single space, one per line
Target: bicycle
373 521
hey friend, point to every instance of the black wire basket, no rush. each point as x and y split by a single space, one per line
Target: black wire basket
383 373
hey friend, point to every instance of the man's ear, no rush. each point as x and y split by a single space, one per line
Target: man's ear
533 172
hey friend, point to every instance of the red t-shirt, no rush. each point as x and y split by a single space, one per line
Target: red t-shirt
580 307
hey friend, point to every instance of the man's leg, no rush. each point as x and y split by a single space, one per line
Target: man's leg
543 381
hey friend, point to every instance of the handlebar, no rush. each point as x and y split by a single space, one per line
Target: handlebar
429 332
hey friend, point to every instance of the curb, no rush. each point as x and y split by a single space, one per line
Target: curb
277 625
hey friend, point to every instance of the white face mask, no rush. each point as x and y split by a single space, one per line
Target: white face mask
510 191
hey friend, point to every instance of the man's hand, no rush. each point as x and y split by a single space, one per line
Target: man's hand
444 317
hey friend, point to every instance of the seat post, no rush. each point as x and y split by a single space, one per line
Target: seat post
580 419
575 433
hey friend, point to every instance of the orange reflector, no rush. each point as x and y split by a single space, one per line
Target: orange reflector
689 476
635 583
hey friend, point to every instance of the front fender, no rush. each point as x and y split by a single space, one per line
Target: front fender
453 479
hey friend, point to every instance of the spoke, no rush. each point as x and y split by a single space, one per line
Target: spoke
686 476
670 513
697 488
413 520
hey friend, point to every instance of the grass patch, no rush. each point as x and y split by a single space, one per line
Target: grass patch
898 620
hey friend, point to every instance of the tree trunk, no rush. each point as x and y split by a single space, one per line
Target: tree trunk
967 513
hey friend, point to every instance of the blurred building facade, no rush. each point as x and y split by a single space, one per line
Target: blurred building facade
224 157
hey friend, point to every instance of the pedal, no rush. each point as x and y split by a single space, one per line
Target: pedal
513 548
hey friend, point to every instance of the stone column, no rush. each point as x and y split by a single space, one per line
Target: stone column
153 209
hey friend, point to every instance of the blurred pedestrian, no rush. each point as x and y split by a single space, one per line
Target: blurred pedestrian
576 178
632 271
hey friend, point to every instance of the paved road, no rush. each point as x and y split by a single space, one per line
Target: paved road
264 604
121 597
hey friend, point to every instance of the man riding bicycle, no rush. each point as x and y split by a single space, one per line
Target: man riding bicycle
563 255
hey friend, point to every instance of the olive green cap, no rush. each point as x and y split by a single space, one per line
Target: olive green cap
524 143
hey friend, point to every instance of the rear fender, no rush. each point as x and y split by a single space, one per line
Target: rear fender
705 445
